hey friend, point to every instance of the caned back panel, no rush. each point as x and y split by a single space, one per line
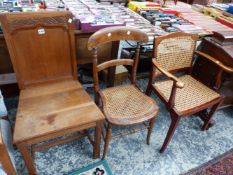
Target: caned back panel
175 51
41 46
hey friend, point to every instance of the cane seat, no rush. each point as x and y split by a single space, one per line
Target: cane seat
127 104
193 94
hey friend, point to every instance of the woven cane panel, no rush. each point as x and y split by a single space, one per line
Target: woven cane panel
175 53
127 101
192 95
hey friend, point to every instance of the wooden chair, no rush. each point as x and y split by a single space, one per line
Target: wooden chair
52 102
126 104
183 95
6 148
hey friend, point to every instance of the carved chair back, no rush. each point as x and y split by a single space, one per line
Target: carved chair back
174 52
41 46
111 34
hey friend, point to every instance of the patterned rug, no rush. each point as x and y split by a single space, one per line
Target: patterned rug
190 147
222 165
99 168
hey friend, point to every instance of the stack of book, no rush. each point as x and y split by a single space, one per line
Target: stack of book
198 19
91 16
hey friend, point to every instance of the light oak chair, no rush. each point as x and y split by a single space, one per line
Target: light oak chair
52 102
183 95
125 104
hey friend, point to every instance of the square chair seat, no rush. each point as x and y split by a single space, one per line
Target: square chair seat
193 95
54 108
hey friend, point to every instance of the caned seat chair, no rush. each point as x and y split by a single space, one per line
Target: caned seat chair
183 95
7 161
125 104
52 102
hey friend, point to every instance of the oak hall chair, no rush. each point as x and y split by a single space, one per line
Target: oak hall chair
125 104
52 102
6 149
183 95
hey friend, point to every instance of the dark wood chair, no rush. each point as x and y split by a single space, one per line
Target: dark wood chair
183 95
6 148
125 104
52 102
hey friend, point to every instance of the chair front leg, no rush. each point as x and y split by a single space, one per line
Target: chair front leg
98 131
150 129
107 139
174 123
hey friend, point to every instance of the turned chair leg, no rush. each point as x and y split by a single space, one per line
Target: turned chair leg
107 139
97 99
209 116
170 133
150 128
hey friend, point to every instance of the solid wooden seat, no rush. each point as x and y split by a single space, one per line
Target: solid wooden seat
45 89
126 104
193 94
66 107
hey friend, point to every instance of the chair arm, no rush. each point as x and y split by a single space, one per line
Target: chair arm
179 83
213 60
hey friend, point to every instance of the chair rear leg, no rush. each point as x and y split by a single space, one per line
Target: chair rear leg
210 116
170 133
107 139
148 90
150 128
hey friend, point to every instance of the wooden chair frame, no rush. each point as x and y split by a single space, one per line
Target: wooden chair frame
175 116
109 35
55 77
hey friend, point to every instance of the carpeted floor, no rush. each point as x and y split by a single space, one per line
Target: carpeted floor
221 165
130 155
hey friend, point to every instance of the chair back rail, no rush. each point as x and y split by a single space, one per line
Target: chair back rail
46 33
112 34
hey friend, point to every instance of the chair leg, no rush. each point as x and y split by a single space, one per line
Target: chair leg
170 133
209 116
107 140
96 149
203 115
148 90
97 99
150 128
